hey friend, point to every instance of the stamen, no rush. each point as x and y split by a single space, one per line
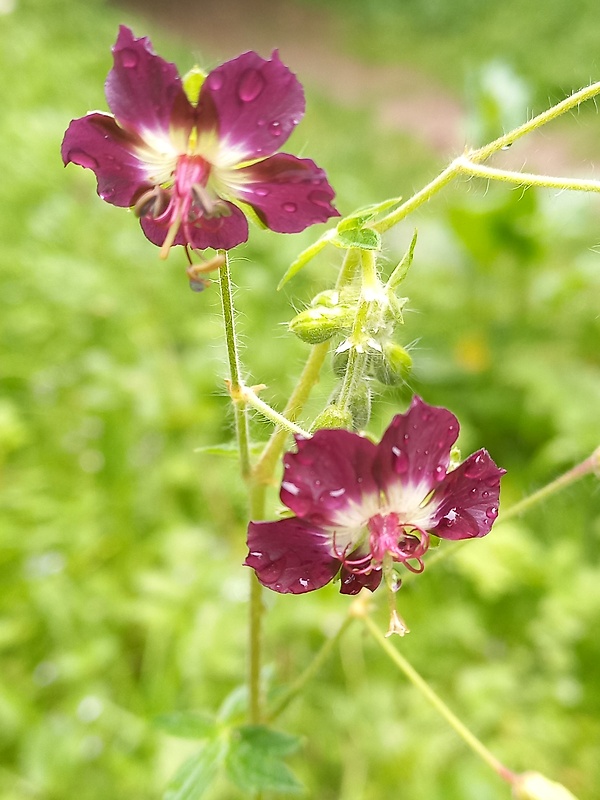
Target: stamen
170 237
152 203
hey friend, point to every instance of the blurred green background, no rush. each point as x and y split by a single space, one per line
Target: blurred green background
120 546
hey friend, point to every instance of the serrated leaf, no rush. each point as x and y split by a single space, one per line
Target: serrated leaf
187 724
254 761
304 257
197 773
360 238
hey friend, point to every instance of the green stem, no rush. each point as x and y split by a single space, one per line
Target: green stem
591 464
482 154
423 687
269 458
315 665
239 409
527 178
252 399
256 493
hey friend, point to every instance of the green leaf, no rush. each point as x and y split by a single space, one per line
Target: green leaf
197 773
254 761
187 724
401 270
361 238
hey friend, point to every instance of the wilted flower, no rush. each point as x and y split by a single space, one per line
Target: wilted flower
360 507
185 154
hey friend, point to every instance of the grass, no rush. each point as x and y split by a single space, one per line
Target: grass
120 545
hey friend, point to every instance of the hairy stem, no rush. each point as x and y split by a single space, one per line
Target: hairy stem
423 687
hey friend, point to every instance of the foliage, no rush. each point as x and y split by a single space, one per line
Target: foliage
122 599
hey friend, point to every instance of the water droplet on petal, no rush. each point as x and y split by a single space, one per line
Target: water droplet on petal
400 461
275 128
129 58
82 158
492 512
319 198
290 207
251 85
261 191
215 81
485 494
439 473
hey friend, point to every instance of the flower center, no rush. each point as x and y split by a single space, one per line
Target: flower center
186 203
403 542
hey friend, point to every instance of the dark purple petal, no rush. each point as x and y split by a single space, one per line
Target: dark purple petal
254 104
468 499
287 193
220 233
353 582
290 556
144 91
415 449
328 476
98 143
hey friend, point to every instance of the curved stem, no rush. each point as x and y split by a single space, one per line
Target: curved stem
526 178
315 665
423 687
249 396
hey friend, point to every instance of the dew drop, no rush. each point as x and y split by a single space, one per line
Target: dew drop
319 198
261 191
215 81
83 159
129 58
485 494
492 512
251 85
275 128
400 461
439 473
290 207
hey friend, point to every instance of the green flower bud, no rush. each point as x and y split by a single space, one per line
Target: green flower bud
316 325
392 366
329 298
332 417
360 405
533 786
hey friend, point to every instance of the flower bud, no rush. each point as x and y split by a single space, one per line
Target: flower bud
328 298
533 786
360 405
332 417
316 325
392 366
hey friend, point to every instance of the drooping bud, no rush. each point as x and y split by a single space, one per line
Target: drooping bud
392 366
332 417
316 325
533 786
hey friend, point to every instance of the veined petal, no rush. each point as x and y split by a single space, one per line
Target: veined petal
328 481
414 453
288 193
467 499
145 93
254 105
220 233
290 556
98 143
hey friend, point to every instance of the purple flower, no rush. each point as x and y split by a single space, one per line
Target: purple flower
185 163
359 506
